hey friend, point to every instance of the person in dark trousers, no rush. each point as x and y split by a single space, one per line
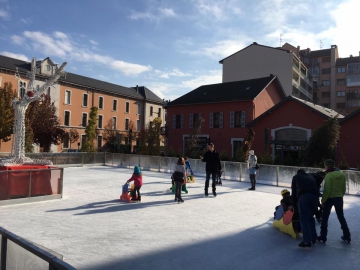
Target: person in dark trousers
251 164
213 166
334 191
179 178
137 178
305 196
319 178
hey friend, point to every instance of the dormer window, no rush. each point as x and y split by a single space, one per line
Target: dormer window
48 67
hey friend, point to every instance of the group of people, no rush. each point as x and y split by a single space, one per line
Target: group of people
305 193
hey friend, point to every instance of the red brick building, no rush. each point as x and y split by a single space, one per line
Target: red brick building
225 109
349 145
285 129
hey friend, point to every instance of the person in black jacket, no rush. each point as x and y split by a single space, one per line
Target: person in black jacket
213 166
305 195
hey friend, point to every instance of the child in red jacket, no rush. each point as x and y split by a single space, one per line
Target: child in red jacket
137 178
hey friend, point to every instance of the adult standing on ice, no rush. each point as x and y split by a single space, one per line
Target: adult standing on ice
213 166
179 178
251 164
334 191
305 194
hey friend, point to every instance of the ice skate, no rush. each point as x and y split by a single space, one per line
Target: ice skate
305 245
321 239
346 239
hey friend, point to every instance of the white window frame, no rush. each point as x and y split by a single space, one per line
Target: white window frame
97 141
20 87
102 102
102 121
128 127
65 101
127 102
138 125
69 118
86 100
115 125
112 105
87 118
81 139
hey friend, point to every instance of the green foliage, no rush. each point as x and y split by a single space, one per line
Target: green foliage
224 156
265 158
323 142
239 155
196 153
171 152
151 138
90 132
6 112
343 164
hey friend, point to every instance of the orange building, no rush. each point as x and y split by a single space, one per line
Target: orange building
75 95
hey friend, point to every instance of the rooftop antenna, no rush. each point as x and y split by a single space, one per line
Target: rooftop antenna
281 40
321 44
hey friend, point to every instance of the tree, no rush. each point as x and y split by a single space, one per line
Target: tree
90 132
73 136
43 123
323 142
193 139
6 112
151 138
109 133
249 139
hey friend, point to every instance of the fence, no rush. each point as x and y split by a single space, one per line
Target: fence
29 185
276 175
18 253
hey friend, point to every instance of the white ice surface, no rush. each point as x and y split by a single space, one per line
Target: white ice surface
94 230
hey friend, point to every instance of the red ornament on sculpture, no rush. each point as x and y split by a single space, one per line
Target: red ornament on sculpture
30 93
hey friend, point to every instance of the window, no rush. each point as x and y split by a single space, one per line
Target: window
151 111
66 118
353 69
325 94
326 105
84 120
340 105
99 142
67 97
127 107
126 124
237 119
159 112
48 67
340 69
325 71
66 141
101 103
139 109
100 121
178 121
340 93
114 122
85 100
326 59
326 82
138 125
216 120
340 82
22 88
114 105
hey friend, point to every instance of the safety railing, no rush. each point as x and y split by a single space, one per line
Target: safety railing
19 253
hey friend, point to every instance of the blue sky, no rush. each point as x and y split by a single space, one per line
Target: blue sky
171 47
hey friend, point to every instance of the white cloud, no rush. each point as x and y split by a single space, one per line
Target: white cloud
213 77
93 42
60 45
167 12
173 73
17 39
142 15
4 14
157 15
26 21
16 56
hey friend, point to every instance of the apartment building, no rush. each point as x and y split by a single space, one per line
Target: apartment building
128 108
257 61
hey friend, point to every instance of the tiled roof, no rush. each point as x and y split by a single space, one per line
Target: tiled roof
325 112
347 60
23 66
254 44
227 92
148 94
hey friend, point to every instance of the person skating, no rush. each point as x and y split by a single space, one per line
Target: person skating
334 191
213 166
251 164
179 177
305 196
137 178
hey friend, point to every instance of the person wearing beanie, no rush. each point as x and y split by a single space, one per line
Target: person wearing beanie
305 196
137 178
251 164
334 191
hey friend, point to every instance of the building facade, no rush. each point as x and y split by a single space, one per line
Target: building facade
258 60
224 110
125 108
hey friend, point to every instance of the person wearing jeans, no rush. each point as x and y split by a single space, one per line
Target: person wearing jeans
305 197
213 166
334 191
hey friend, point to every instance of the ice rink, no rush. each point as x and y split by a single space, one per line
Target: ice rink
93 229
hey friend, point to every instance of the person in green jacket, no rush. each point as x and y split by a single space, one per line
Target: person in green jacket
334 191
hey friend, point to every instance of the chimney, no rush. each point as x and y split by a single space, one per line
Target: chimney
137 89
